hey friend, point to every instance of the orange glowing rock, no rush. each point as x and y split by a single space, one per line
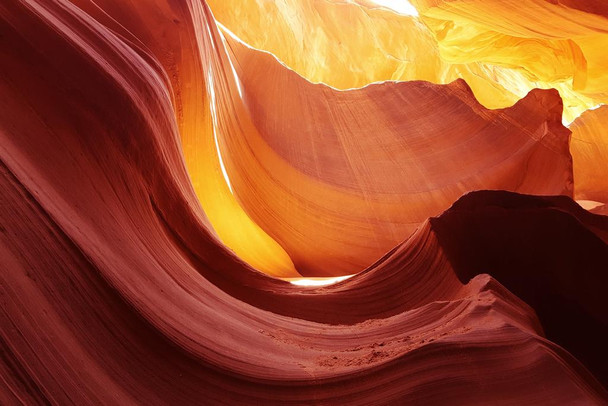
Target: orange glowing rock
589 148
338 178
157 174
502 49
325 181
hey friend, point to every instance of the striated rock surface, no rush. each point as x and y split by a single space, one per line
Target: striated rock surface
589 148
351 173
503 49
326 181
156 173
547 251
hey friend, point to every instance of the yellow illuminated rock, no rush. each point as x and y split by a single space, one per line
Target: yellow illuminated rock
503 49
544 44
340 43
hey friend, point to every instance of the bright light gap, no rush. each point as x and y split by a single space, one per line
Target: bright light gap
318 281
400 6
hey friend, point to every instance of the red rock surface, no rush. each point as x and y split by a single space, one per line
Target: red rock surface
117 287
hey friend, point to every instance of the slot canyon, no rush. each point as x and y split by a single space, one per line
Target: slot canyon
302 202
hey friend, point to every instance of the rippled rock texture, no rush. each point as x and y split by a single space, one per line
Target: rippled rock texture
163 175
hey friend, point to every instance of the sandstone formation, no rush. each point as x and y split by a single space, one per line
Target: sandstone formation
162 176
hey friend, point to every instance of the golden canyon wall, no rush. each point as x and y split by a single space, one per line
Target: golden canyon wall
167 167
